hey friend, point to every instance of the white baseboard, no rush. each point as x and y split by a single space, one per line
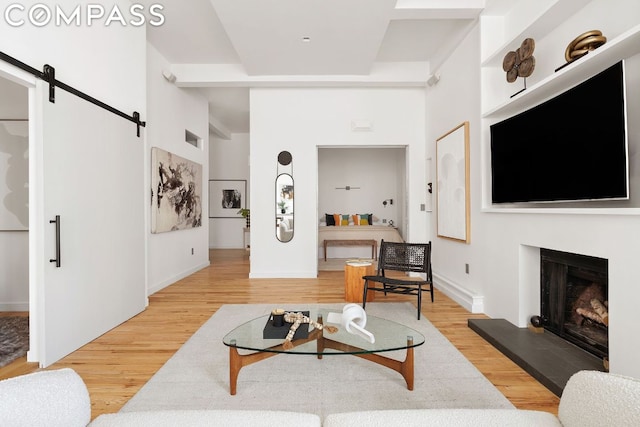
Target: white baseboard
14 306
288 275
159 286
464 297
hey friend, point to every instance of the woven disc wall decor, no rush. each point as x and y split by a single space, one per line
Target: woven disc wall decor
521 62
584 43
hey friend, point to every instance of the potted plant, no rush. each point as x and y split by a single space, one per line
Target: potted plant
283 206
246 215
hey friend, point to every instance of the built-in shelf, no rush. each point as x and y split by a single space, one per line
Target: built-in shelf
624 46
542 15
571 211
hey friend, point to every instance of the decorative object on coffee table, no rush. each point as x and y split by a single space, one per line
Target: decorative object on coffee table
298 318
273 331
520 63
354 319
583 44
277 317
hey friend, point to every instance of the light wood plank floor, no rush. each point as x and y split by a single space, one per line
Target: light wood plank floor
116 365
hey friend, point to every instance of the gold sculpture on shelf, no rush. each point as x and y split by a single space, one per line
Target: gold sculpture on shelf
584 43
521 62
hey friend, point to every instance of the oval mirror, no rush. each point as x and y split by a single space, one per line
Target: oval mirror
284 207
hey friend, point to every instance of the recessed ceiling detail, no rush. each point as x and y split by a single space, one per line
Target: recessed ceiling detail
218 44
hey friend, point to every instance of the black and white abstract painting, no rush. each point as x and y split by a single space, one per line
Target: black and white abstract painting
176 192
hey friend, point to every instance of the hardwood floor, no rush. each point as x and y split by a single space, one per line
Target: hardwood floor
116 365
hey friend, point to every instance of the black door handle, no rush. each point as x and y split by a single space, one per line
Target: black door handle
57 223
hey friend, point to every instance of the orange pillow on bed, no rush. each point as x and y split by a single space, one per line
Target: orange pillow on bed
361 219
341 220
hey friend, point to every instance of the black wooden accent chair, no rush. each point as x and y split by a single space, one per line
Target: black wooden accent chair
406 257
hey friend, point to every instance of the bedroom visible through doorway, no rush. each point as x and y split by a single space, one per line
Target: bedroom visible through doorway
354 182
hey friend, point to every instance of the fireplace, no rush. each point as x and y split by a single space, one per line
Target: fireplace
574 299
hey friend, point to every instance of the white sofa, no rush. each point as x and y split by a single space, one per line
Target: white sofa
286 229
60 398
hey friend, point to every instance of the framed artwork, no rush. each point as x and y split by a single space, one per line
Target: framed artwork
452 187
14 175
227 197
176 192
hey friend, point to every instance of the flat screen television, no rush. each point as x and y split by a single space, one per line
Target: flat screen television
570 148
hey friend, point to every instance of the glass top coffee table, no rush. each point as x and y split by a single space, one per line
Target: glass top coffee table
389 336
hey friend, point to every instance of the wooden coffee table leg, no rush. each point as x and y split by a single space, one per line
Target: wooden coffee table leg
404 368
237 361
320 338
235 365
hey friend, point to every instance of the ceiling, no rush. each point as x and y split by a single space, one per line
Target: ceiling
223 47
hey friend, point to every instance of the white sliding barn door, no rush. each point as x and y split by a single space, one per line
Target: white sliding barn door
93 178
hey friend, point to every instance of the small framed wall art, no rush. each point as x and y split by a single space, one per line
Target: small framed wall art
227 197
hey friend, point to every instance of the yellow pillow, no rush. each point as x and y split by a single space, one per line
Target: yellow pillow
360 219
341 219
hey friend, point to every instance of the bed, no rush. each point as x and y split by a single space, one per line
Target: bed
376 231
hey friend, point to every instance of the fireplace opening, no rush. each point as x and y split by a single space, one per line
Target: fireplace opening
574 299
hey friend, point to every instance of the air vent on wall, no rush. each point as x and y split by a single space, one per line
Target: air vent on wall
192 138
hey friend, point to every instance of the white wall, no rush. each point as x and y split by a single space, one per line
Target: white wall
504 247
172 110
14 271
14 102
229 159
91 59
452 101
299 121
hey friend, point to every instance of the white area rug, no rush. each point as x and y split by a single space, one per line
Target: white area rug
197 376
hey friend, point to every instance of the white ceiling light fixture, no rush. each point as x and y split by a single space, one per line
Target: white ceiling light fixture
306 39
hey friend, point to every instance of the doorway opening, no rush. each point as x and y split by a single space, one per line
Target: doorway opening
14 205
